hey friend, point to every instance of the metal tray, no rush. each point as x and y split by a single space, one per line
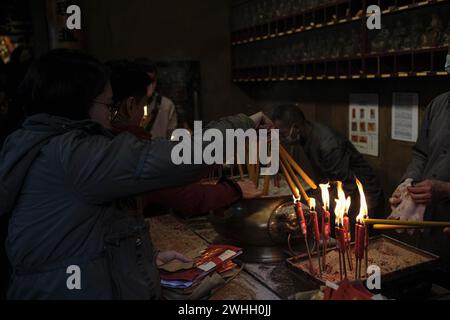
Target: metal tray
408 272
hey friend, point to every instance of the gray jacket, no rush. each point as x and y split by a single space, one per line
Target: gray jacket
334 158
62 182
431 160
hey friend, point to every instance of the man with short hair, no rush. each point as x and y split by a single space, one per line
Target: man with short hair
332 156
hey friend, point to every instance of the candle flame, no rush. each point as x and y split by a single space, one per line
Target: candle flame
363 211
325 195
145 111
348 203
340 191
339 212
312 204
341 205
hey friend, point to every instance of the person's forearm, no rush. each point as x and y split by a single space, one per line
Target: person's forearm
103 169
211 198
195 198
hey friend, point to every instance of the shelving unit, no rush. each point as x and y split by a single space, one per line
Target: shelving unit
365 64
412 63
320 17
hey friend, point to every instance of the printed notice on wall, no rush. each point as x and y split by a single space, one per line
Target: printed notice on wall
364 124
405 116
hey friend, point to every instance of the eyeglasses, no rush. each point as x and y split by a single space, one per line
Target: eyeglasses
112 106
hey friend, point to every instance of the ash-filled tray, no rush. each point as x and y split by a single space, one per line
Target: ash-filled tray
395 259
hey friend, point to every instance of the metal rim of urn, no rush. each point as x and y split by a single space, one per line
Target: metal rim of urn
261 226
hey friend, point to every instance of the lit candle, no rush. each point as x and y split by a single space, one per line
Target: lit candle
348 235
302 225
300 216
339 212
361 232
315 218
316 230
326 223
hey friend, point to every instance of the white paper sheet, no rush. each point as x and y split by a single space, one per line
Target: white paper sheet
405 116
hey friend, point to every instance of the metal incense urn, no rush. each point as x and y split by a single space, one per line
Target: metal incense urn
260 226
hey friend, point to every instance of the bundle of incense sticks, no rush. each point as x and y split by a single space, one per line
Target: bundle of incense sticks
409 223
290 168
287 158
290 171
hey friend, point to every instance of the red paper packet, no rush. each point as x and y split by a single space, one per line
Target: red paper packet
348 291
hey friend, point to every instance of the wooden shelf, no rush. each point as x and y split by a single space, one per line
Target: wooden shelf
423 62
306 20
340 12
363 64
384 76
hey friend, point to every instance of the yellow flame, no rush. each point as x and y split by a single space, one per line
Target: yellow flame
341 204
340 191
325 195
348 203
145 111
338 212
363 211
312 204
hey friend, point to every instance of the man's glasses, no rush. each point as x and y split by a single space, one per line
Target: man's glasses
112 106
